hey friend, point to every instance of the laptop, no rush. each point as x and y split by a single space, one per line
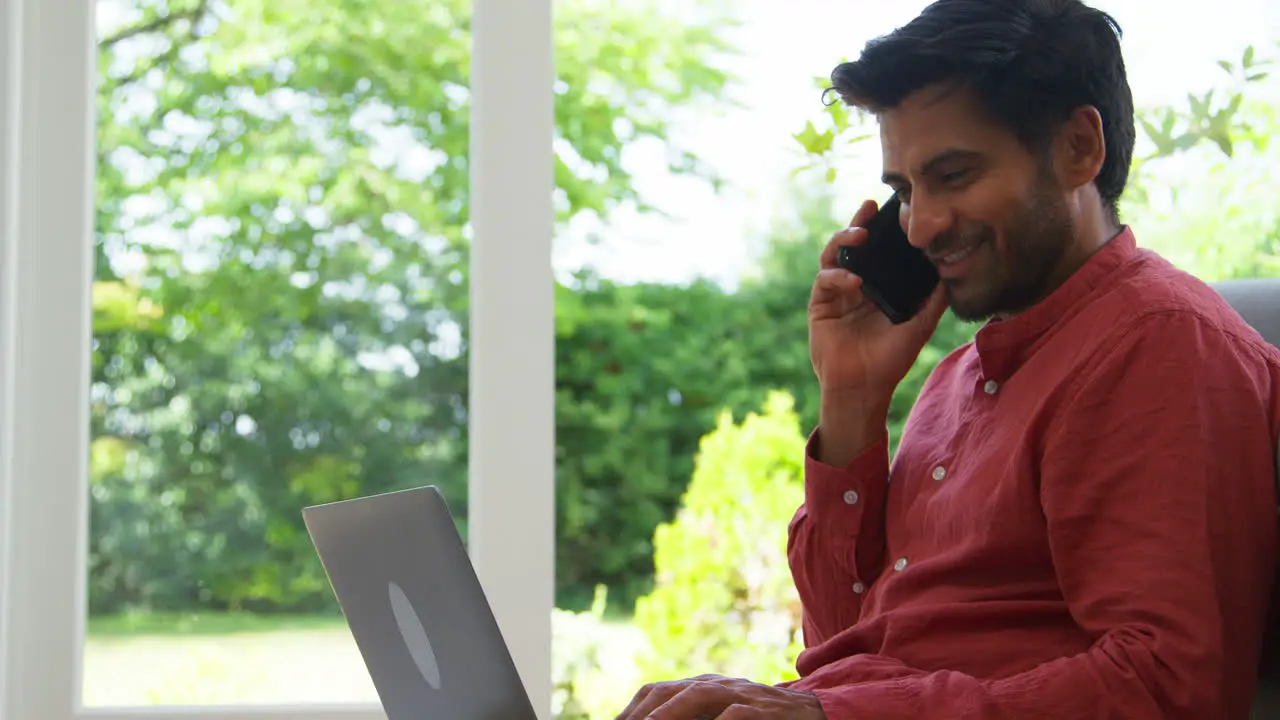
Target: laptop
416 609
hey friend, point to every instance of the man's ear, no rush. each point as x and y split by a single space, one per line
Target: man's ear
1081 148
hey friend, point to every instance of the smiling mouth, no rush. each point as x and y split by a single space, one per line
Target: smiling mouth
956 256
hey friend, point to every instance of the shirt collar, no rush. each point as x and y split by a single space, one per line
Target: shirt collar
1003 345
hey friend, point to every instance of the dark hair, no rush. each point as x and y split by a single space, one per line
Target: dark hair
1030 63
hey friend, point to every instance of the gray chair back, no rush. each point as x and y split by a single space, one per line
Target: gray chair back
1258 302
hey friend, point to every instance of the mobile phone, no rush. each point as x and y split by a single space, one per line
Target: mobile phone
897 276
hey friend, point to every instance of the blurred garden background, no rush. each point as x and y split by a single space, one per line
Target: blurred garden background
280 308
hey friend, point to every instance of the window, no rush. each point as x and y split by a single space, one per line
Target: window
46 324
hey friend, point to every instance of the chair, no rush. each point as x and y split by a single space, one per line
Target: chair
1258 302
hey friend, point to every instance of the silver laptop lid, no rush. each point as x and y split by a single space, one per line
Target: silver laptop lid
416 609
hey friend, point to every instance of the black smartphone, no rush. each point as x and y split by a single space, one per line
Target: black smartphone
896 275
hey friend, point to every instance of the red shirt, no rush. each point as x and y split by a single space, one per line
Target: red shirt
1081 521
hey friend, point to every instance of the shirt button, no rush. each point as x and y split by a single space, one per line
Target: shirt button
900 565
851 497
939 473
991 387
859 588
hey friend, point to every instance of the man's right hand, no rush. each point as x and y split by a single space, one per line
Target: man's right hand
858 355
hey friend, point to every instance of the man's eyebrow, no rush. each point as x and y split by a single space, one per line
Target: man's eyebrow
931 165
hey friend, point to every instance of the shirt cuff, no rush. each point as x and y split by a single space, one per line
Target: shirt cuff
838 497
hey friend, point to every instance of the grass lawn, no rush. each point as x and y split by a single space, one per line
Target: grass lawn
222 659
186 624
244 659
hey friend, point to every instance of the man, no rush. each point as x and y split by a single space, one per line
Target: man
1081 521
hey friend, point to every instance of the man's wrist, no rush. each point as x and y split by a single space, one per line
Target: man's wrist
848 425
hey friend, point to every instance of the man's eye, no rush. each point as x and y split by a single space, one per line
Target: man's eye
954 176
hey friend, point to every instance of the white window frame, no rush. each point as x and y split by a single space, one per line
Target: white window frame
47 80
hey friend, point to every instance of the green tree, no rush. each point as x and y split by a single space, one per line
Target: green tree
724 601
641 373
282 246
1201 190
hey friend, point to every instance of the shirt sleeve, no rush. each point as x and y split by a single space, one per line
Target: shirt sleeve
836 540
1157 484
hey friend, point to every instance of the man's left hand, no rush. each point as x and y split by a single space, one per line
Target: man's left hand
712 697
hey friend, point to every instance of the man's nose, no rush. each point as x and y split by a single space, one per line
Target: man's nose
925 220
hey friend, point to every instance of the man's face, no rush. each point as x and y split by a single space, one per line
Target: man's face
990 215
